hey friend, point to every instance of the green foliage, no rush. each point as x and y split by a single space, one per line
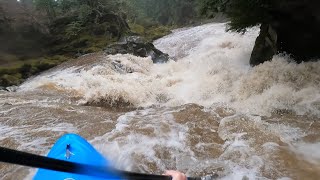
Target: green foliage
73 29
48 6
18 72
79 23
10 80
157 32
25 70
92 49
136 28
242 13
248 13
151 33
209 8
44 65
165 12
84 12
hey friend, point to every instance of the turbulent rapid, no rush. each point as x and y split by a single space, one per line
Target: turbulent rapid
206 112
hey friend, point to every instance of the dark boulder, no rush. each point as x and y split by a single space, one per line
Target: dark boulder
265 46
137 46
297 24
293 29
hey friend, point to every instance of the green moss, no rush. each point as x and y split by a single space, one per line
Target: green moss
151 32
58 58
79 42
26 70
10 80
156 32
91 50
8 70
42 66
136 28
17 72
85 43
91 38
99 42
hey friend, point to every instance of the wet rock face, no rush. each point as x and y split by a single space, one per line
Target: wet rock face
265 46
298 25
137 46
294 29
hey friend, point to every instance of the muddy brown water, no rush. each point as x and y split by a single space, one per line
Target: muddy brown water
207 114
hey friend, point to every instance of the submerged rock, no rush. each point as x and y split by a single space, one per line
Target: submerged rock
12 88
137 46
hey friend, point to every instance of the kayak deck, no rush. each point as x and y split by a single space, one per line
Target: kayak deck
74 148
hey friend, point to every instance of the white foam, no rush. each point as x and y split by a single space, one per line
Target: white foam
308 151
212 67
124 144
241 159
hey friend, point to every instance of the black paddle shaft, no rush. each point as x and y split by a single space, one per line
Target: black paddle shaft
36 161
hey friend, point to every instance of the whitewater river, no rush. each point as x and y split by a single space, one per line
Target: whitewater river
206 112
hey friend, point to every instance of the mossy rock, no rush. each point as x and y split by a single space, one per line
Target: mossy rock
80 42
10 80
26 70
58 58
137 46
136 28
43 66
9 70
157 32
91 50
4 71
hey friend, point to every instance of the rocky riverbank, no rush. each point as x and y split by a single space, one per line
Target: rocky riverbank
17 70
33 41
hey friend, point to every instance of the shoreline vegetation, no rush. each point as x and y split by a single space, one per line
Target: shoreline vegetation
37 35
16 70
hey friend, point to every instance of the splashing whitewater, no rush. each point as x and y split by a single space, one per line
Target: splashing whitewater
205 112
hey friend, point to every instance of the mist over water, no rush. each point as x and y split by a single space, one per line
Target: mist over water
205 112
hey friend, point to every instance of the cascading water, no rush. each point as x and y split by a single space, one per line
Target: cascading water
206 112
